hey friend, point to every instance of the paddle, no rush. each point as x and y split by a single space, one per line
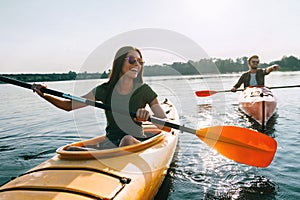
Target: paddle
206 93
236 143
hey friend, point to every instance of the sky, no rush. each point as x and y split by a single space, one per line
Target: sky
57 36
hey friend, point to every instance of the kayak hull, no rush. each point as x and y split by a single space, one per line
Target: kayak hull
259 103
130 172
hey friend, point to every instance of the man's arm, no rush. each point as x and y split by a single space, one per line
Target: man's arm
272 68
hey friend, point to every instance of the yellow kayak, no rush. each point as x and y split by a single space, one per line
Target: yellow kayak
130 172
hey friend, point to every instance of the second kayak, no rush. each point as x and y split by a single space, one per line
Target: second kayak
259 103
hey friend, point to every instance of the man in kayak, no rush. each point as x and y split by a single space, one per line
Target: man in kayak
124 91
255 76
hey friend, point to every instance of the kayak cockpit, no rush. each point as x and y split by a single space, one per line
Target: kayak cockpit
84 152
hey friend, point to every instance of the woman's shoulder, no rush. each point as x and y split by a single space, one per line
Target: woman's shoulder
102 86
145 89
100 91
143 86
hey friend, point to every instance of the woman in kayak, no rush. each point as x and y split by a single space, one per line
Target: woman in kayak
125 91
255 76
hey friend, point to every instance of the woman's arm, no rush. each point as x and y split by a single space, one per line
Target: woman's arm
64 104
160 113
157 109
143 115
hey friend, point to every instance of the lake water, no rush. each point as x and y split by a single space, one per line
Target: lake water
32 129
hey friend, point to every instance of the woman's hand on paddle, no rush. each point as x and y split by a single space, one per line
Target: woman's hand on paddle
142 115
37 88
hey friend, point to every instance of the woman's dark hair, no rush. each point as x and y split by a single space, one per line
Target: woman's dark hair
117 68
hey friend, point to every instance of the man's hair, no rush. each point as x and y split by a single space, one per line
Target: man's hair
254 56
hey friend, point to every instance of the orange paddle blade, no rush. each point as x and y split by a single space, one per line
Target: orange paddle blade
240 144
205 93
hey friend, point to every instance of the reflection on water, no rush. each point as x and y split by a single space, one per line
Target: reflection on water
35 155
238 118
204 108
221 178
269 128
254 188
215 180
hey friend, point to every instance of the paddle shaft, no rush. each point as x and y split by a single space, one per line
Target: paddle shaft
93 103
276 87
227 90
288 86
206 93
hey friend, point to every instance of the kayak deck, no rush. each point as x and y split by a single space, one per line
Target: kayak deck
130 172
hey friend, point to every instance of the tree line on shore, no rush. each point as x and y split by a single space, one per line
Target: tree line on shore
55 76
201 67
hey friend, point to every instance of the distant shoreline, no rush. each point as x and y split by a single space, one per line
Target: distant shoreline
56 76
205 66
90 76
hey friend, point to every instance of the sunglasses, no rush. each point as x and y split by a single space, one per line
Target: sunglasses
255 61
132 60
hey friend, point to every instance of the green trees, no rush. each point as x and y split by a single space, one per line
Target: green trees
290 63
201 67
205 66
